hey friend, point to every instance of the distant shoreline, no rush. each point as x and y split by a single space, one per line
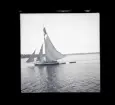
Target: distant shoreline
28 55
82 53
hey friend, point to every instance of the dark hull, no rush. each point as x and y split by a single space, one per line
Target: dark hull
43 64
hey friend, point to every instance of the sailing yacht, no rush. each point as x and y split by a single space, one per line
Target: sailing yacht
51 55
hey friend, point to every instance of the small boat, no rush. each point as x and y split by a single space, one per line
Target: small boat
51 55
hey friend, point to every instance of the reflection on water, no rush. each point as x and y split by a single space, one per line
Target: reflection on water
76 77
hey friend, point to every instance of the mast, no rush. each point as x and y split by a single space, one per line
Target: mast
41 57
44 43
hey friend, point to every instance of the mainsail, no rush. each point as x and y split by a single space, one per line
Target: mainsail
31 58
50 51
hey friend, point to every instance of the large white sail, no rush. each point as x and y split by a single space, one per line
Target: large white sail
50 51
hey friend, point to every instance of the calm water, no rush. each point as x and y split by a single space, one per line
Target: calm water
83 76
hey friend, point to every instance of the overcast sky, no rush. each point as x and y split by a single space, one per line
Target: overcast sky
69 33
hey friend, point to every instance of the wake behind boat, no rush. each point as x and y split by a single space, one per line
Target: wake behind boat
51 55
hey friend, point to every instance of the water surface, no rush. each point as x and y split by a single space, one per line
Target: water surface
83 76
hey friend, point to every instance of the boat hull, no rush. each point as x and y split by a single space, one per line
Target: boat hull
43 64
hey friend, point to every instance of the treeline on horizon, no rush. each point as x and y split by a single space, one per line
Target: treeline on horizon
28 55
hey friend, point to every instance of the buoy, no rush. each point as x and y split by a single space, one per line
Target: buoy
72 62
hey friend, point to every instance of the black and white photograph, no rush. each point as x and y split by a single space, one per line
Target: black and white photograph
60 52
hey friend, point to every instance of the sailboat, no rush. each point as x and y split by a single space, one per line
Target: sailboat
51 55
